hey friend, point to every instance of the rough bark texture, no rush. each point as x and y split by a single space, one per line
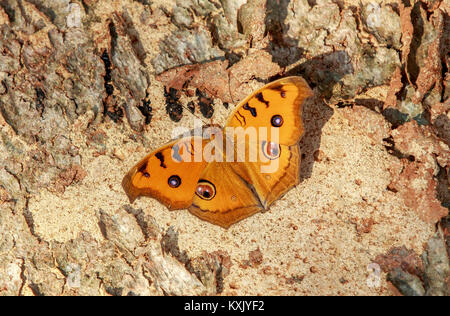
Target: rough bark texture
87 88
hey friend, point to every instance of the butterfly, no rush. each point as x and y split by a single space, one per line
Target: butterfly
221 176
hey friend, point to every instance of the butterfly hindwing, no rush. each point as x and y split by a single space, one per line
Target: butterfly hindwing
222 197
274 172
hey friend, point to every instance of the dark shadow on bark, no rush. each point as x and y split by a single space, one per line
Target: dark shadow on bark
418 23
442 127
444 50
315 115
322 72
284 50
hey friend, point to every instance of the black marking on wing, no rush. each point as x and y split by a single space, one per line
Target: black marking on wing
239 120
249 108
192 151
279 89
243 117
260 98
160 156
143 168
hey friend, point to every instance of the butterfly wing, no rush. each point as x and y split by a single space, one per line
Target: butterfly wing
169 174
276 110
275 171
222 197
277 104
263 167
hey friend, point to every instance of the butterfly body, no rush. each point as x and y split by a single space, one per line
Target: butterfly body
232 175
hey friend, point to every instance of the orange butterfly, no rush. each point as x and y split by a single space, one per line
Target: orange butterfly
226 190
